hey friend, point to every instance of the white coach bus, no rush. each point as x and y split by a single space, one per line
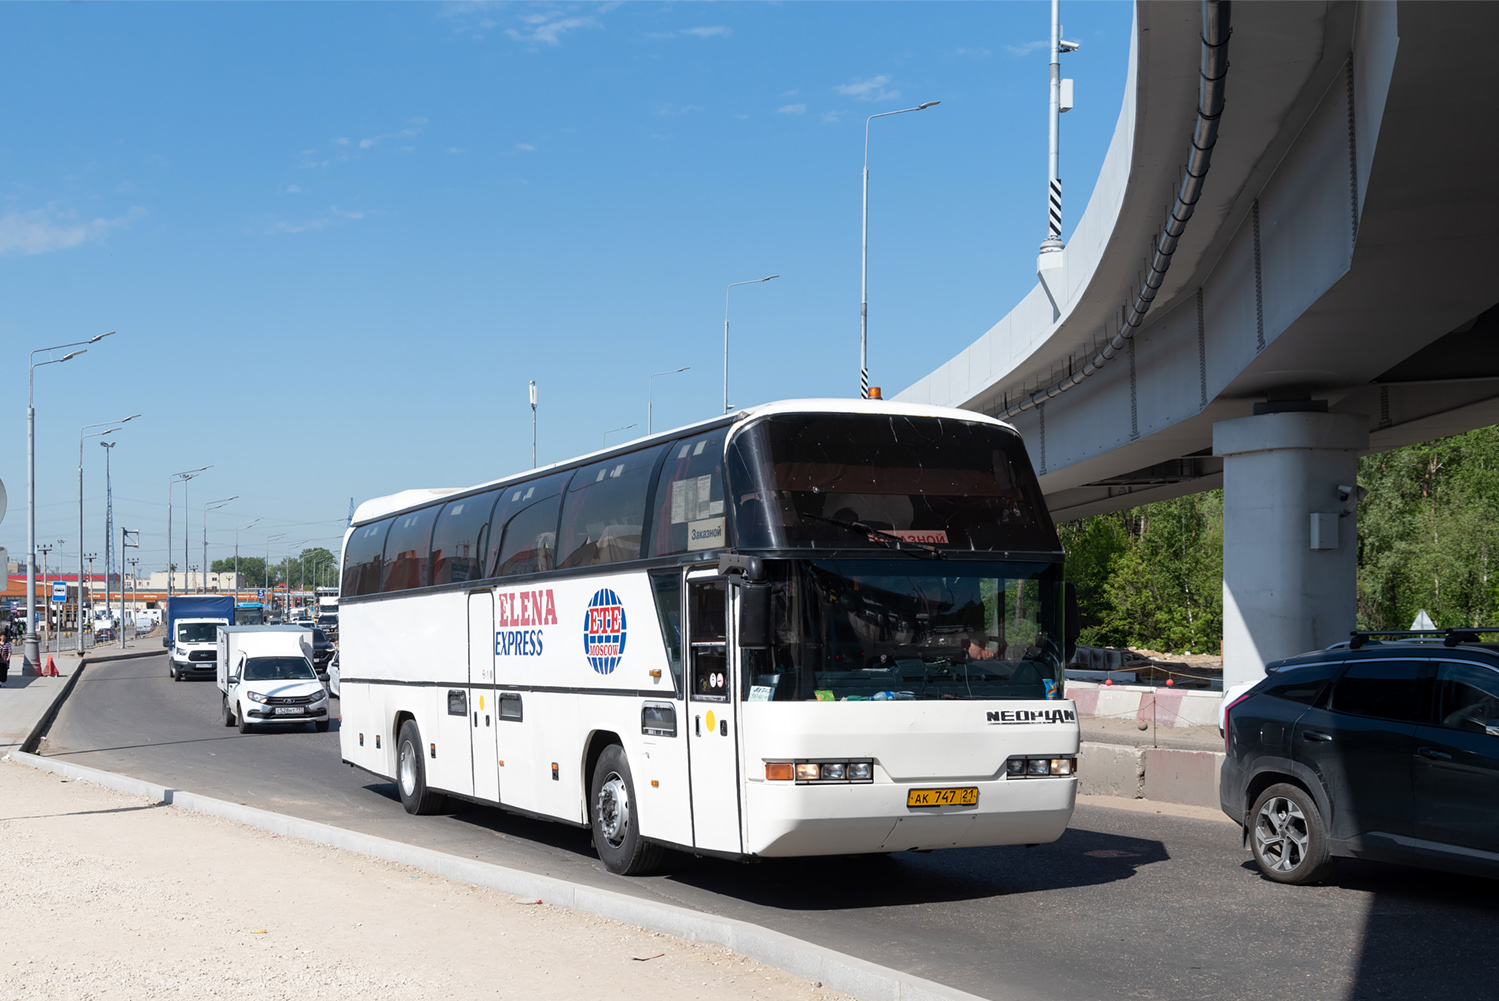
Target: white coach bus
809 628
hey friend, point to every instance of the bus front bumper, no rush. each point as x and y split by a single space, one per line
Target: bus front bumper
789 820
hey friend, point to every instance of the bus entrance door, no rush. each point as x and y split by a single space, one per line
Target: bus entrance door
712 726
483 712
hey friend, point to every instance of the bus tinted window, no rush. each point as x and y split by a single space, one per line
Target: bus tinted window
604 512
523 531
835 481
689 498
406 551
362 555
458 540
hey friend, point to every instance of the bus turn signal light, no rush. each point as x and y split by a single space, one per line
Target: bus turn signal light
780 771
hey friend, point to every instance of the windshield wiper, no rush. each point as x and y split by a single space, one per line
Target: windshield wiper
875 533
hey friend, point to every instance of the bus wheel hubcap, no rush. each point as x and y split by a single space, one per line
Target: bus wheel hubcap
408 769
614 810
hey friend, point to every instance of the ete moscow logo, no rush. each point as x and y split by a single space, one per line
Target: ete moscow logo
604 631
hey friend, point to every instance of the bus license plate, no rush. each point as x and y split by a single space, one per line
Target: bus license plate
967 796
294 711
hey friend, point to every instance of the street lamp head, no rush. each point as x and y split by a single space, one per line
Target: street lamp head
769 277
129 419
99 337
73 354
928 104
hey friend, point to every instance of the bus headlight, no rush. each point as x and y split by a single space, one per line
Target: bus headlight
1028 768
808 772
856 770
860 771
835 771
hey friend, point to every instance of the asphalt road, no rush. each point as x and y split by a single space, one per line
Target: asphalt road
1126 905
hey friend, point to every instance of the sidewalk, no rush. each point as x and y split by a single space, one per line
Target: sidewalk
106 873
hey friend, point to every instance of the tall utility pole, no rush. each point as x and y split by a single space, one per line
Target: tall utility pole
533 424
126 536
237 530
33 630
1060 100
650 388
90 557
81 437
864 266
732 286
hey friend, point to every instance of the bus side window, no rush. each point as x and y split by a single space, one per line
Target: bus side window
689 512
406 550
667 588
603 516
458 540
523 531
708 636
362 558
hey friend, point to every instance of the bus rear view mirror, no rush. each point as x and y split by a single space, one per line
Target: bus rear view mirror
754 616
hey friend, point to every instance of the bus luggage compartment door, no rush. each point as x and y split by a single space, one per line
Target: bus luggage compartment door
712 725
483 715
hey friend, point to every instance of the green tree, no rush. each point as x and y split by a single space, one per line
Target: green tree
252 568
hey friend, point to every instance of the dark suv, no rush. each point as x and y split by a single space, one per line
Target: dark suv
1378 749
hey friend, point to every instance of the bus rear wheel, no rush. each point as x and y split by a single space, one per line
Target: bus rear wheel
411 773
615 818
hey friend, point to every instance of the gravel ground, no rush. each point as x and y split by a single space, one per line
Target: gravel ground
105 896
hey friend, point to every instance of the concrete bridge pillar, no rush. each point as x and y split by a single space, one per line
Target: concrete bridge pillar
1290 545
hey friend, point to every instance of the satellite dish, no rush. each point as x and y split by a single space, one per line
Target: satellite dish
2 500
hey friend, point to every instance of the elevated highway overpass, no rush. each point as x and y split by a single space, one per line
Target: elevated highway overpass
1332 294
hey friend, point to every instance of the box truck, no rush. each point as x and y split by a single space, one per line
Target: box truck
266 676
190 634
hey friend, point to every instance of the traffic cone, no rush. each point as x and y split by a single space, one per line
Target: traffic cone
50 671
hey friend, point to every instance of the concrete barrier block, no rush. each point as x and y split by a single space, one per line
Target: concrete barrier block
1176 776
1110 770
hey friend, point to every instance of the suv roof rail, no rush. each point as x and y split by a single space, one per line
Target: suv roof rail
1449 637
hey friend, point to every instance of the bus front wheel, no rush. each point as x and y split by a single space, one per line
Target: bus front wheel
615 818
411 773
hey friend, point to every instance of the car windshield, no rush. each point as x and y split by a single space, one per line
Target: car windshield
327 620
197 632
856 630
318 636
278 669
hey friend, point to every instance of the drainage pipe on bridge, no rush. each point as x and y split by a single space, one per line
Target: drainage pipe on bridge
1215 32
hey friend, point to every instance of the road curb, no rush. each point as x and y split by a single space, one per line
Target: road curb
835 970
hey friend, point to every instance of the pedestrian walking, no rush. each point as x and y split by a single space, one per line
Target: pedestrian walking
4 657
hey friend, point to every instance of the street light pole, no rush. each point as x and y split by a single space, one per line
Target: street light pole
90 557
650 388
270 539
864 265
726 292
1053 241
44 550
109 550
184 477
32 651
237 530
210 506
81 437
612 430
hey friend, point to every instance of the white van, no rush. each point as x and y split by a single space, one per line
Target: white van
266 676
193 648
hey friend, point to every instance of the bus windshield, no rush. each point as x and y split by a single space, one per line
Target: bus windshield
862 481
856 630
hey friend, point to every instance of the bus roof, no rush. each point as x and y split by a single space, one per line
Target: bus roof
379 507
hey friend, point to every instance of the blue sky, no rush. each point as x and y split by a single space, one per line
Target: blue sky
337 240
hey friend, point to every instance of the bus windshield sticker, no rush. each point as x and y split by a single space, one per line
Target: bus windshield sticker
705 534
760 693
604 631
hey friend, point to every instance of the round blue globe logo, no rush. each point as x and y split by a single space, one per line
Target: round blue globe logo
604 631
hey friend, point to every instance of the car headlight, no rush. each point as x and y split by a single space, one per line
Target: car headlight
257 697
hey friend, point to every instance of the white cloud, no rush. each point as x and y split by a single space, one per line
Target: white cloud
872 89
978 53
292 189
333 217
548 28
831 117
792 109
1026 48
454 150
707 31
41 231
413 128
525 148
669 109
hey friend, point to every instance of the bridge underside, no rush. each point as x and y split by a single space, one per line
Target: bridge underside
1341 266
